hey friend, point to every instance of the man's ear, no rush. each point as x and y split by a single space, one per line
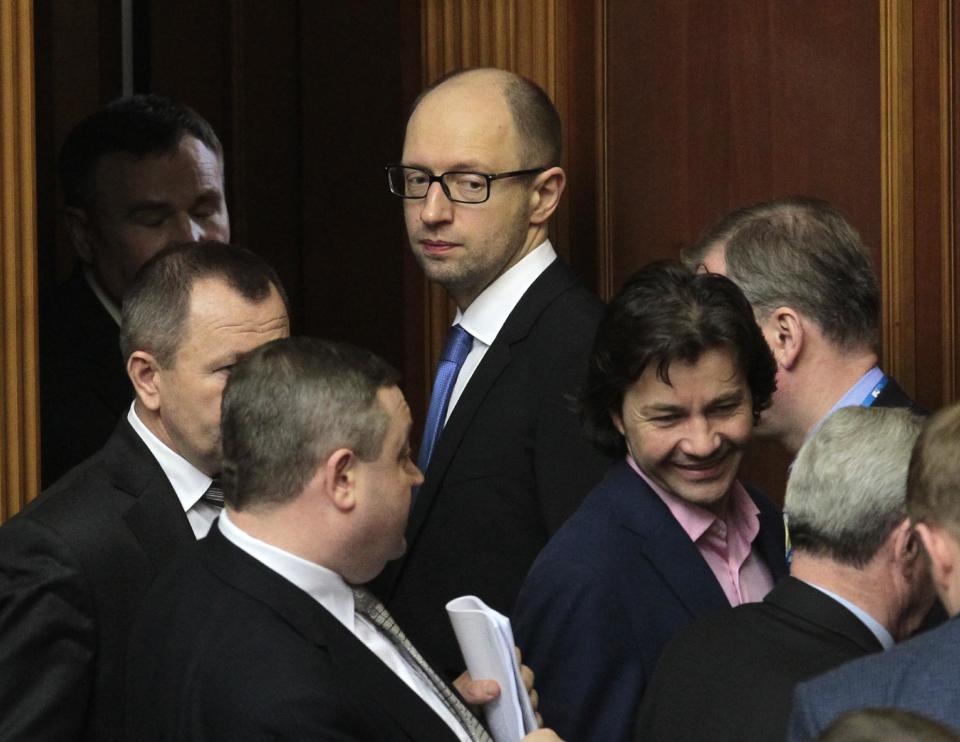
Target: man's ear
80 229
617 419
547 189
143 370
340 479
906 546
784 333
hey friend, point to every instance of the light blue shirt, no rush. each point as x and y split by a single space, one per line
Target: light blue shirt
857 395
876 628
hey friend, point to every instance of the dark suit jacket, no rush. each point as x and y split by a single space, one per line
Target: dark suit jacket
918 675
226 649
509 467
730 676
607 593
84 389
893 396
74 566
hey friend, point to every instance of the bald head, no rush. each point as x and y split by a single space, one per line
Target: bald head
530 119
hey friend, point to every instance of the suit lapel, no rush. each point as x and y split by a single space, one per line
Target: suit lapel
665 544
371 682
771 540
156 517
556 279
796 597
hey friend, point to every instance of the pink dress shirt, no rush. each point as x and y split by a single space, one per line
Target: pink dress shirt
724 543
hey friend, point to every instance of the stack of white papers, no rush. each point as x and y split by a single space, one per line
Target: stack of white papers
486 641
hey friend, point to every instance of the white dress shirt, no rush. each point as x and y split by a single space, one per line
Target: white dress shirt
188 482
487 314
329 590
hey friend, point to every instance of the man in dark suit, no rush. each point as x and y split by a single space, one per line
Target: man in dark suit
921 674
142 173
261 632
678 376
504 460
75 563
858 583
812 284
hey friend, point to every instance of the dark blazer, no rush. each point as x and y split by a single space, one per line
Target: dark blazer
74 566
731 675
918 675
226 649
893 396
84 389
607 593
509 467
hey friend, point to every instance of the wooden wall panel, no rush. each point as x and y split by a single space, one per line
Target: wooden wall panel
714 105
19 452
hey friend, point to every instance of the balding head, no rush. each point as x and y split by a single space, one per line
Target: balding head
536 123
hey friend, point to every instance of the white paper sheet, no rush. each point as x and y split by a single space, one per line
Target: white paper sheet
486 641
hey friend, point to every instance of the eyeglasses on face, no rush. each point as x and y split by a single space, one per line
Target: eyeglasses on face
458 185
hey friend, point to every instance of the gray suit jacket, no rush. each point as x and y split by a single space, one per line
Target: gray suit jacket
919 675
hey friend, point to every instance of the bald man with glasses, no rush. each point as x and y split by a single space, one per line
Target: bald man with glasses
503 457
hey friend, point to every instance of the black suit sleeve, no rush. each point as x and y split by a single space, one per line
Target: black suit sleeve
47 636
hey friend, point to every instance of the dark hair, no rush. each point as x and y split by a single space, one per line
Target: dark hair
288 405
156 307
667 313
536 118
138 125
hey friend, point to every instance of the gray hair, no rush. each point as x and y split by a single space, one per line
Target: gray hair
157 305
801 252
847 488
291 403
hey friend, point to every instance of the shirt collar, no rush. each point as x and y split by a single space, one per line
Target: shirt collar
854 396
696 520
188 482
876 628
489 311
112 309
322 584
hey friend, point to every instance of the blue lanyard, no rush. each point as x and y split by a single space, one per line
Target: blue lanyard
875 392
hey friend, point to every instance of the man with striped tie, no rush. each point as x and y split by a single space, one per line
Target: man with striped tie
75 564
262 630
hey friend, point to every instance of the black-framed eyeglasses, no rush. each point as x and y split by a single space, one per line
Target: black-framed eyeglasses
461 186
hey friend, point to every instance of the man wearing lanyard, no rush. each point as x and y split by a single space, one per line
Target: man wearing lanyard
816 296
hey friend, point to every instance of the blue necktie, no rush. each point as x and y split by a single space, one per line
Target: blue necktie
455 350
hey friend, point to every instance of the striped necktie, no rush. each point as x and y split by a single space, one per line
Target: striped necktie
213 495
368 606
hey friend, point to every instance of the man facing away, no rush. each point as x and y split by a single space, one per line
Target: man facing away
140 174
921 674
75 563
810 280
858 583
261 630
502 453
